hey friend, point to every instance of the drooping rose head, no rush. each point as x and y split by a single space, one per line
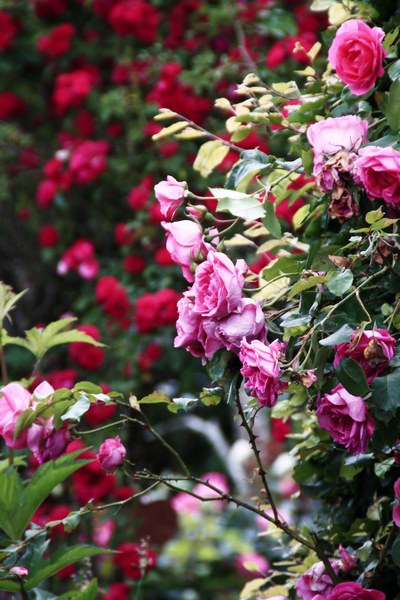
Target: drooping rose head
111 454
170 194
373 350
261 369
350 590
316 582
378 170
185 243
357 54
218 285
347 419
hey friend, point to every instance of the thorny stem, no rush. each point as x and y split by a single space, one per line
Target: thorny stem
285 175
256 452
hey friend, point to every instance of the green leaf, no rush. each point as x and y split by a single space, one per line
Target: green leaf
9 585
386 392
24 421
90 592
393 106
11 493
238 204
155 398
394 70
374 215
270 220
396 551
209 156
211 396
181 404
88 387
352 377
42 483
306 283
390 39
251 163
339 283
300 215
76 410
343 334
62 558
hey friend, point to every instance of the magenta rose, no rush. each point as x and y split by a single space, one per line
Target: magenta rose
261 369
218 285
373 350
111 454
330 136
188 327
378 170
185 243
396 508
316 583
170 194
350 590
357 54
347 419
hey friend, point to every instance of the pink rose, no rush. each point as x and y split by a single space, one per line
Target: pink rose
111 454
246 321
373 350
185 243
251 564
350 590
357 54
330 136
316 583
188 327
261 368
185 503
378 170
170 194
347 419
15 399
396 508
218 285
19 571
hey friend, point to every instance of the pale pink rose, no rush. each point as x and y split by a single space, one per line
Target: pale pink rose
218 285
219 481
373 350
19 571
378 170
103 531
185 503
287 486
257 565
186 245
356 54
14 400
170 194
111 454
316 583
330 136
261 369
347 419
350 590
189 327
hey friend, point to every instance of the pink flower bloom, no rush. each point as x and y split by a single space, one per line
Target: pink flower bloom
261 368
218 285
185 503
347 560
251 564
216 479
185 243
378 170
170 194
316 583
396 508
19 571
103 531
347 419
15 399
330 136
111 454
188 328
89 161
373 350
350 590
357 54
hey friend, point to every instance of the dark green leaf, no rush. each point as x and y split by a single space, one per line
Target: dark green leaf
386 392
343 334
270 220
394 70
11 493
306 283
251 163
339 283
396 551
393 106
352 377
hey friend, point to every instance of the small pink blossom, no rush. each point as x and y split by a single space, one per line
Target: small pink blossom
19 571
396 508
170 194
111 454
378 170
316 583
251 564
186 245
15 399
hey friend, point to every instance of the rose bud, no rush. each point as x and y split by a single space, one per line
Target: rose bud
111 454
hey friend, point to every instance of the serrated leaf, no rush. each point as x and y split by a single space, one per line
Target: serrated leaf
238 204
156 397
343 334
352 377
271 221
339 283
170 130
392 111
209 156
